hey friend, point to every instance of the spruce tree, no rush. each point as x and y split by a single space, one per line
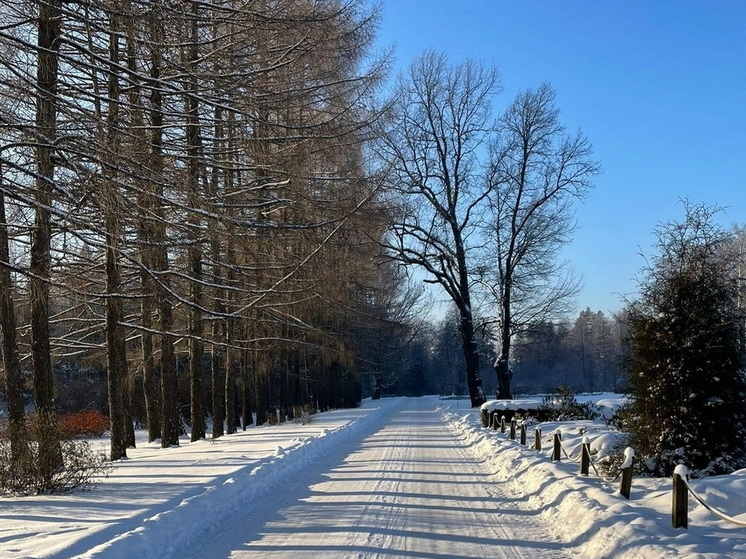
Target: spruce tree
686 352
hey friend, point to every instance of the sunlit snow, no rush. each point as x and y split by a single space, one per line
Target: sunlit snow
246 495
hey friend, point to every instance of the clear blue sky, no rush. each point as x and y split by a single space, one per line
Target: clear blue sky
658 86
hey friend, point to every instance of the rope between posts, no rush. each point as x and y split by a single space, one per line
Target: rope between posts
580 456
570 458
604 478
712 509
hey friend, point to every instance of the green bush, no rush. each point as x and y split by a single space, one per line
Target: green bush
563 406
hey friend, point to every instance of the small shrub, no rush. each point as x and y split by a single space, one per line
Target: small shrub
87 423
563 406
82 467
303 415
613 458
270 417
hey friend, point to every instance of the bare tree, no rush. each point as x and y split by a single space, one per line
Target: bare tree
49 38
441 120
536 171
192 165
13 376
116 348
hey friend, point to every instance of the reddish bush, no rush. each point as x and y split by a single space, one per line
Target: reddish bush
87 423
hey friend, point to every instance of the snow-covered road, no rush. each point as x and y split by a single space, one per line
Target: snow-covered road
405 487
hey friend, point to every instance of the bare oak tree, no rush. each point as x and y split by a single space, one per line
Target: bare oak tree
536 171
441 119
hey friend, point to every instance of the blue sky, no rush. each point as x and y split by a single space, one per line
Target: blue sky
659 87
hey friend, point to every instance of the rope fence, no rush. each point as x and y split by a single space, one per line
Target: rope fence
584 456
681 487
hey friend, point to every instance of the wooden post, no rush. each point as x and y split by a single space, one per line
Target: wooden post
523 433
680 506
512 429
537 439
585 457
625 487
557 451
502 424
626 468
494 420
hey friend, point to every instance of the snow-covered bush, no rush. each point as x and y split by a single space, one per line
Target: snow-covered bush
563 406
303 415
686 333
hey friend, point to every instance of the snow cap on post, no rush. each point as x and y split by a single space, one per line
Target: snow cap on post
681 471
629 456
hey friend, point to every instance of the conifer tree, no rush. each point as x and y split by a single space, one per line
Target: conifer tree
686 360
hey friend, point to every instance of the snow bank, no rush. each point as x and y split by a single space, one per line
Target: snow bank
174 527
513 405
590 516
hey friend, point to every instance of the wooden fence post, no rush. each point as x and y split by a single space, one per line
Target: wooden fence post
557 451
512 429
585 456
523 433
626 468
502 424
680 506
537 440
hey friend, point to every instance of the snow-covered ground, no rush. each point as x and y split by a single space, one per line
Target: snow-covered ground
394 478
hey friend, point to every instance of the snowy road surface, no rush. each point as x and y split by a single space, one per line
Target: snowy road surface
406 487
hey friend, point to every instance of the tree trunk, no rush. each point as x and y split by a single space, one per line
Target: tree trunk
13 377
149 376
230 390
248 418
129 426
218 382
219 328
502 366
260 388
468 339
145 236
116 350
471 358
193 145
170 419
49 34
